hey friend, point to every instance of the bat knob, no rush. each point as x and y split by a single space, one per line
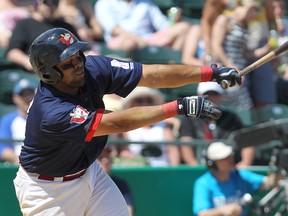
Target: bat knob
225 84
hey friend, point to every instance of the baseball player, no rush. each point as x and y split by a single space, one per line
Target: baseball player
67 125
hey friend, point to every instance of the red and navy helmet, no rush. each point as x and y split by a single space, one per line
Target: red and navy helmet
50 48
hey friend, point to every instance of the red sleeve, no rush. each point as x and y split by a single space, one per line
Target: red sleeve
94 125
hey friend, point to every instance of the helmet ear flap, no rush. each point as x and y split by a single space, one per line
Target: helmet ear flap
51 76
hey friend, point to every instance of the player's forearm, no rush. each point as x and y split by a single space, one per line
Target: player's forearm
130 119
163 76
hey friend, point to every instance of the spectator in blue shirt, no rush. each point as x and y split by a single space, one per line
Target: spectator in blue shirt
221 189
12 125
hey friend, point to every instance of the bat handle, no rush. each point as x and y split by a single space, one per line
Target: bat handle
225 84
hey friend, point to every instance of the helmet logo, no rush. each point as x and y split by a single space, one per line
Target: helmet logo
67 38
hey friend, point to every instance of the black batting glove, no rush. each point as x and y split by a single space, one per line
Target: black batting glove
198 106
225 73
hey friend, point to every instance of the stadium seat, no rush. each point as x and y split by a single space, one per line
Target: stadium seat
8 79
164 5
245 115
156 55
93 2
270 112
192 9
4 63
187 90
104 50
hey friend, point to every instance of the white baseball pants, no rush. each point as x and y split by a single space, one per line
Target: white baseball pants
94 193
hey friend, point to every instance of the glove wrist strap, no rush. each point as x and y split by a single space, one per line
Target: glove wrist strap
206 74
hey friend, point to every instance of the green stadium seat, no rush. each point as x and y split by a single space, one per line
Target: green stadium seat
245 115
192 9
4 63
8 79
93 2
156 55
104 50
178 92
183 91
164 5
270 112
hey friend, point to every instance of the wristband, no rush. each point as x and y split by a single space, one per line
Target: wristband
206 74
170 109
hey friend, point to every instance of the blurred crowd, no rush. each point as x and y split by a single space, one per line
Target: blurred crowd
231 33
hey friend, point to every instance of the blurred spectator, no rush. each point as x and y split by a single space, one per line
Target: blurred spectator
280 37
230 38
261 82
155 154
212 9
224 189
197 128
26 30
130 24
80 14
193 53
105 161
10 12
279 8
12 125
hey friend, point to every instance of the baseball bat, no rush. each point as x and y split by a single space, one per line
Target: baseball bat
266 58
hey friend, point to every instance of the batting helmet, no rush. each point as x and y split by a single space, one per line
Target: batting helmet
50 48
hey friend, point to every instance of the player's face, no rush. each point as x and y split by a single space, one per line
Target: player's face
73 73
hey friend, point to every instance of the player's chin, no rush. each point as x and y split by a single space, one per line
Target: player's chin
78 81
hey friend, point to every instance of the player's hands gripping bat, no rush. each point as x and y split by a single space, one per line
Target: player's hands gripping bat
268 57
198 106
221 74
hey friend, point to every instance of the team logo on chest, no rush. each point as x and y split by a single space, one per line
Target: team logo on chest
79 115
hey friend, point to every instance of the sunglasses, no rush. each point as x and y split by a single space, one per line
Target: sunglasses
70 64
